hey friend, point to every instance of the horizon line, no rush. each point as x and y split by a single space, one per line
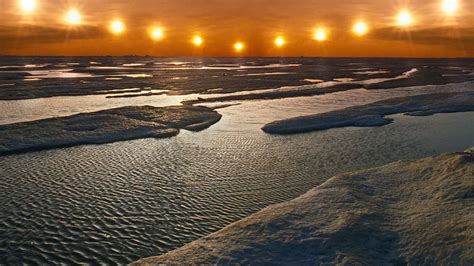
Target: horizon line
236 57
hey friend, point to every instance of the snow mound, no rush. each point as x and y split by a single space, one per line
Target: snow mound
408 212
106 126
374 114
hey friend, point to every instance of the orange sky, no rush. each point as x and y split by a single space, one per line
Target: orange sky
223 22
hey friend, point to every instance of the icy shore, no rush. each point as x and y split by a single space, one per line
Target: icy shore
106 126
374 114
409 212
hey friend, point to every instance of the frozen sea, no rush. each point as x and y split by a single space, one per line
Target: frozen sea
118 202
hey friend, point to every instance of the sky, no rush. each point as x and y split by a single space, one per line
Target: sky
221 23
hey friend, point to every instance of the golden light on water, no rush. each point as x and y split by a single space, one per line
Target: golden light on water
73 17
360 28
197 41
450 6
27 6
156 33
239 46
404 18
280 41
320 35
117 27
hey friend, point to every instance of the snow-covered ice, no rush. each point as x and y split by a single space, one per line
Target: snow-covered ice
408 212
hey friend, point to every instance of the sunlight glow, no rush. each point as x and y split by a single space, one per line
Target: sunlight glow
450 6
360 28
73 17
320 35
117 27
404 18
198 41
156 33
280 42
27 6
238 46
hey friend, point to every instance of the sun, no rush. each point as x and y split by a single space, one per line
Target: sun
404 18
280 42
320 35
117 27
73 17
156 33
360 28
239 46
27 6
450 6
197 41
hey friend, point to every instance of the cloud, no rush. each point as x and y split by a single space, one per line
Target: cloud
445 36
29 35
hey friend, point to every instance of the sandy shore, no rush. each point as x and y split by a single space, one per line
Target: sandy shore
106 126
374 114
415 212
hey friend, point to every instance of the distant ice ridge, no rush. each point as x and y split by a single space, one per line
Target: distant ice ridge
408 212
236 67
371 72
319 84
404 75
319 87
325 84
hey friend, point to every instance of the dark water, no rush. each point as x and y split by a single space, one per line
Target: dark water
119 202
